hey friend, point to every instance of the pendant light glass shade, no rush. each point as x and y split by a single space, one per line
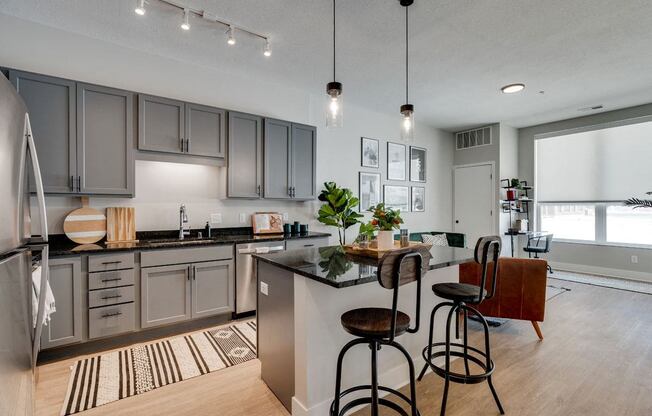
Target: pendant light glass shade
334 110
407 122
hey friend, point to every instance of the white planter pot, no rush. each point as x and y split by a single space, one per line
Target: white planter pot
385 240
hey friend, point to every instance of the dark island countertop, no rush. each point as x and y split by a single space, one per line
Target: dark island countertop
332 266
61 246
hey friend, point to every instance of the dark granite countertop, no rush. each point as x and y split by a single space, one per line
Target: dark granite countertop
331 266
60 245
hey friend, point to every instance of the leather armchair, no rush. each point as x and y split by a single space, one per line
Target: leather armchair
520 289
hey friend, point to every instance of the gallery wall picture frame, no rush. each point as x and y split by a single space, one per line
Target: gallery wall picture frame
396 162
397 197
368 190
417 164
369 152
418 199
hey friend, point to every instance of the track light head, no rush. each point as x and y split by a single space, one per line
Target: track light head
231 38
268 49
186 20
140 7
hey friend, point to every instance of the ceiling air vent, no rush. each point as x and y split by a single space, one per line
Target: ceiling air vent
473 138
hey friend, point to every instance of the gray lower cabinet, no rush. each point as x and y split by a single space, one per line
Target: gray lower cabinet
205 130
278 136
105 128
303 156
65 326
245 156
165 295
161 124
52 111
212 288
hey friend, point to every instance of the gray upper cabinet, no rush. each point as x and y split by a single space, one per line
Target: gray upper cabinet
165 295
161 124
105 128
245 156
278 136
303 161
205 130
212 288
51 103
65 326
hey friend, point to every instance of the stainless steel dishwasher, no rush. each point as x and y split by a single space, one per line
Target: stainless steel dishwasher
245 273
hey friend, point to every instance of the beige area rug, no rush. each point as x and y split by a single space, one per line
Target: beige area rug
604 281
109 377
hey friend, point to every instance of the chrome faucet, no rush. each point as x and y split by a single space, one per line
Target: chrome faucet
184 229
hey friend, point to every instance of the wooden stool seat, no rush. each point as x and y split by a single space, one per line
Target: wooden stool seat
374 322
458 292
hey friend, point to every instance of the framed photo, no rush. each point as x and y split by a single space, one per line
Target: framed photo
417 164
370 153
396 162
418 199
369 190
397 197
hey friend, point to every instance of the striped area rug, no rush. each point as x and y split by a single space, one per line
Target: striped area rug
109 377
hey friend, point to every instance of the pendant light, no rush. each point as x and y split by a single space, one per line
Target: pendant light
407 110
334 90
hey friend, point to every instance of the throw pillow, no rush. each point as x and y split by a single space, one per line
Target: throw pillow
438 240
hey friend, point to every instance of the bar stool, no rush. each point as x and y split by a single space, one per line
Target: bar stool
461 296
380 326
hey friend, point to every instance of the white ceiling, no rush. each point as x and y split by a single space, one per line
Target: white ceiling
579 52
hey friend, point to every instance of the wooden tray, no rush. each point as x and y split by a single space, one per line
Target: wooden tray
378 254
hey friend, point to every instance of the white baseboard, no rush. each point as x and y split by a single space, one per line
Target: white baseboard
602 271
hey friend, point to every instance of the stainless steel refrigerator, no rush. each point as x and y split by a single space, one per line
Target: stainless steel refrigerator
22 304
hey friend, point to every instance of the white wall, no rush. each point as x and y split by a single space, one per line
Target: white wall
161 187
608 260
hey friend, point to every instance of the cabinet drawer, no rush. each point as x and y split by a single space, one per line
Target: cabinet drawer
104 280
185 255
105 262
306 243
107 297
111 320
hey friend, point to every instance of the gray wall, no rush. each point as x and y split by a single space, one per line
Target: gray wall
609 260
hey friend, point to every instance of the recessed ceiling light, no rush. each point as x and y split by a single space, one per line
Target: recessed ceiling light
512 88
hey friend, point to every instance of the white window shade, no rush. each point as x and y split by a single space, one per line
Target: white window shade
609 164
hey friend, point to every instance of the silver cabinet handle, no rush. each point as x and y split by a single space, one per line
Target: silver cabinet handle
78 183
187 145
72 182
109 315
111 280
194 272
112 262
188 273
36 168
183 144
111 297
258 190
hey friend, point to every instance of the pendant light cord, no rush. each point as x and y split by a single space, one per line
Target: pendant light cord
407 47
334 41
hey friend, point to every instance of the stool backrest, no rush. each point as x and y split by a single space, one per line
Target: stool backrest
487 250
394 271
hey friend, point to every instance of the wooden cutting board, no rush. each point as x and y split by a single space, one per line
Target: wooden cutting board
120 224
85 225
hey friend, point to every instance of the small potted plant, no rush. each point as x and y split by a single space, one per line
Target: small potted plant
514 185
385 220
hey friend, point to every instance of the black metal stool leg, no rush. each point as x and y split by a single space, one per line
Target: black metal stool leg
448 359
466 340
338 376
374 378
413 387
430 335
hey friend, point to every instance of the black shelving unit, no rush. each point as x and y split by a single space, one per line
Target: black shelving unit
518 208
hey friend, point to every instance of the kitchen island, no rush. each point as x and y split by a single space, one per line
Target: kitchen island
301 296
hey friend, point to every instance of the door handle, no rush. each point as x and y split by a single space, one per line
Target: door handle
457 221
78 183
187 145
189 273
194 272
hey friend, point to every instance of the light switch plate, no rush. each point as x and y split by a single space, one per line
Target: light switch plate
634 259
216 218
243 218
286 216
264 288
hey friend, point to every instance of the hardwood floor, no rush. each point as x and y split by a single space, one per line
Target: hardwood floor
596 360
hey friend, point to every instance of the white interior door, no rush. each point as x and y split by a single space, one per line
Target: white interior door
473 201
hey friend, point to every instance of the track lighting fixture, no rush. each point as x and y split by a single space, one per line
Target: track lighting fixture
231 37
186 20
140 7
268 49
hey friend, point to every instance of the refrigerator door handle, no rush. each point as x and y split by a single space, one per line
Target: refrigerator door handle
40 195
45 277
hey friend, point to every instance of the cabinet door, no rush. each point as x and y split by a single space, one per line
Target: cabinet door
165 295
303 156
277 158
105 126
205 130
245 156
51 105
65 326
160 124
212 288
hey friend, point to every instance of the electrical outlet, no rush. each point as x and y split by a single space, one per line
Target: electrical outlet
243 218
286 216
264 288
634 259
216 218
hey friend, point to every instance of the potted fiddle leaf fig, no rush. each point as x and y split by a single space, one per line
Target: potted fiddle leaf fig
339 209
385 220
